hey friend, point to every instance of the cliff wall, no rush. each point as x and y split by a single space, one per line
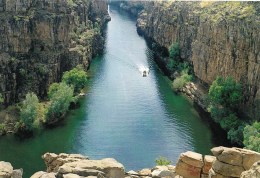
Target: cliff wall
217 38
40 39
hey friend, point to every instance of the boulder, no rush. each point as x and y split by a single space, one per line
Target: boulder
110 167
192 158
253 172
54 161
212 174
189 165
6 169
145 172
132 174
208 161
186 170
162 173
42 174
249 157
71 176
227 169
230 156
17 173
216 151
160 168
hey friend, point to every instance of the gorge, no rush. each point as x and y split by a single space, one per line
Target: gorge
131 118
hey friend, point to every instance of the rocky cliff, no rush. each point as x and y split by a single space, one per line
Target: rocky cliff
40 39
217 38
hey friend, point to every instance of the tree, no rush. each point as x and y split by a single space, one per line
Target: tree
76 77
174 50
60 100
225 92
181 81
225 96
252 136
28 112
1 99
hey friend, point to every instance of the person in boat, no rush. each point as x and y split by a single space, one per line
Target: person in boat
144 73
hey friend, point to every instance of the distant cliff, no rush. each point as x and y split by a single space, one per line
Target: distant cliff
40 39
217 38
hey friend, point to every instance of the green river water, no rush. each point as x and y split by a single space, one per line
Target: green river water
131 118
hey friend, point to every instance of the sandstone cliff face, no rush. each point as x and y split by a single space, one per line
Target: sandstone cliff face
40 39
219 39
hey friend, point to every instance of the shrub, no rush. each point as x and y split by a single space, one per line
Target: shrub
162 161
230 121
59 102
1 99
2 129
225 92
53 89
252 136
174 50
181 81
225 96
76 77
28 112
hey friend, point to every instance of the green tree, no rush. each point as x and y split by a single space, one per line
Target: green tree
76 77
53 89
174 50
225 96
179 82
1 99
60 100
225 92
252 136
28 112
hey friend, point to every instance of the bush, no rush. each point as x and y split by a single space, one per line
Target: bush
225 96
1 99
252 136
59 101
230 121
28 112
225 92
53 89
181 81
174 51
235 135
76 77
162 161
2 129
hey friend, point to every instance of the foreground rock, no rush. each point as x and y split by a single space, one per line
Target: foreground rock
253 172
231 162
7 171
226 163
75 165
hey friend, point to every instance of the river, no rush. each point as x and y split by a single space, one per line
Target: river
131 118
